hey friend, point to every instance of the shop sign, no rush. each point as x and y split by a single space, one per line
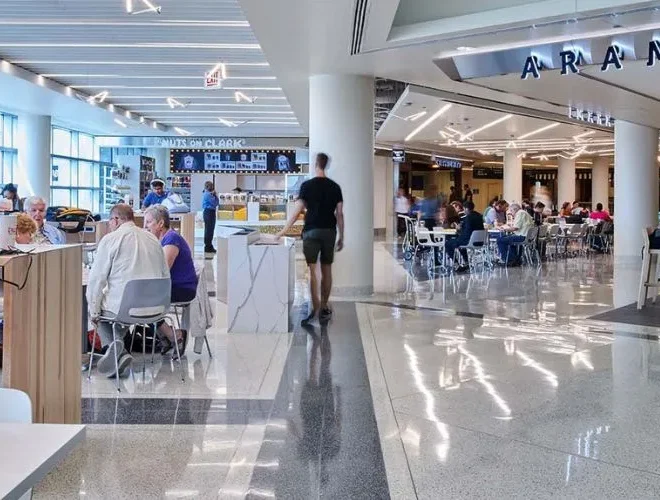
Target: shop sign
587 116
398 155
487 173
197 143
571 60
447 162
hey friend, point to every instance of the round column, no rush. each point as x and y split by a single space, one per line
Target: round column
341 125
600 182
512 182
33 176
565 181
635 186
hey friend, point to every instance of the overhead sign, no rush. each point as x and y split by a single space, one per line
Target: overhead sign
195 142
487 173
572 59
447 162
398 155
233 161
588 116
212 80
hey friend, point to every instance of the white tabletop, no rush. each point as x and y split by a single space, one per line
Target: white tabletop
30 451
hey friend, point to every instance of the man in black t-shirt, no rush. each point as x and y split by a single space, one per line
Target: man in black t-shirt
322 199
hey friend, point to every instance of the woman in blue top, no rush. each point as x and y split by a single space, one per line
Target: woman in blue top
182 268
210 204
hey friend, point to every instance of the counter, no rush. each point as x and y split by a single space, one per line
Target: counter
256 279
42 311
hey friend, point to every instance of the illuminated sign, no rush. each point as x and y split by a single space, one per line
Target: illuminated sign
571 60
193 142
447 162
398 156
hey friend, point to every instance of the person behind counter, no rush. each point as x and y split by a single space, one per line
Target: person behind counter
35 207
10 192
26 228
182 269
126 253
210 204
157 195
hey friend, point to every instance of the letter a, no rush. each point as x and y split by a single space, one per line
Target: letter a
533 67
612 57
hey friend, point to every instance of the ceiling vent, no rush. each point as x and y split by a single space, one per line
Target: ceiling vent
359 20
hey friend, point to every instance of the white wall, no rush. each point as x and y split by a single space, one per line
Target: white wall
381 164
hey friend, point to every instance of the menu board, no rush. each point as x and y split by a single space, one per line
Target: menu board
233 161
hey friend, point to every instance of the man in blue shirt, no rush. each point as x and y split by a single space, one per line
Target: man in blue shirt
210 204
35 207
158 194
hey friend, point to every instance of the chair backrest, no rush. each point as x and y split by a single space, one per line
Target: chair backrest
144 301
423 235
15 407
554 230
543 231
532 234
478 238
645 239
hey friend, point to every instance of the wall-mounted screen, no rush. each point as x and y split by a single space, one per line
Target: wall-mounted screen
233 161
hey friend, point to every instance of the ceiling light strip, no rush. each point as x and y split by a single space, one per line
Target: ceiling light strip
538 131
428 121
485 127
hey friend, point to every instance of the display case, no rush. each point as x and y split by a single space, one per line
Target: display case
181 185
116 186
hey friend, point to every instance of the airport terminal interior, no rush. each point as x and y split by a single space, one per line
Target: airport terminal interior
349 249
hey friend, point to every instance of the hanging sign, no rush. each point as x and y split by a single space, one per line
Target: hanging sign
398 155
447 162
571 60
212 80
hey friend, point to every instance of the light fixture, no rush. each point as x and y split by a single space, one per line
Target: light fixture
149 7
100 97
129 6
142 119
538 131
446 135
240 96
487 126
453 130
120 123
511 145
173 103
428 121
227 123
182 131
416 116
222 68
154 125
465 48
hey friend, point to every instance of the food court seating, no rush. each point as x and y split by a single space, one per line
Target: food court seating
477 250
649 275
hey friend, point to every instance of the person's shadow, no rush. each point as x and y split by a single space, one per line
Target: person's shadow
320 406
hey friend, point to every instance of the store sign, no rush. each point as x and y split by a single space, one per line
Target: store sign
447 162
398 155
487 173
257 161
571 60
587 116
197 143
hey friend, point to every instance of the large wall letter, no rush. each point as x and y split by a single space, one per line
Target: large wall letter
532 67
612 56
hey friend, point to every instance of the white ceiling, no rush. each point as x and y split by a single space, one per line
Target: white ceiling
94 45
459 121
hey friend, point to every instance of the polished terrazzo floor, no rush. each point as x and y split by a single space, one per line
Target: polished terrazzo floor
507 384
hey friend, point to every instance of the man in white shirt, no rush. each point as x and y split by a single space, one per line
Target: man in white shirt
126 253
522 223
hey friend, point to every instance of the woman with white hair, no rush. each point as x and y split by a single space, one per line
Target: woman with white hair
182 268
517 232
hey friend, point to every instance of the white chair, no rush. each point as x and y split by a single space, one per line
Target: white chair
16 408
648 278
478 245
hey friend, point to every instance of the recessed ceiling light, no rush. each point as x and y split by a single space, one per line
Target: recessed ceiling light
487 126
182 131
173 103
142 119
227 123
120 123
100 97
221 68
416 116
465 48
240 96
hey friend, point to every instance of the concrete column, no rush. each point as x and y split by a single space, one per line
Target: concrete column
341 125
512 183
34 149
635 186
600 183
565 181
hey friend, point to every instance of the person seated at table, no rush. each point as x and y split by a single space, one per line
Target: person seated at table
517 232
10 192
490 207
497 216
182 269
26 228
157 195
566 210
35 207
527 207
538 213
600 214
126 253
473 221
458 206
448 217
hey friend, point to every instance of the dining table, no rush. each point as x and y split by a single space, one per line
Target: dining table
30 451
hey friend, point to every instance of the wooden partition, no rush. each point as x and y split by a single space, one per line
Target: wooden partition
41 346
184 224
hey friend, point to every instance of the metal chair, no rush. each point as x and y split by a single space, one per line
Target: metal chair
649 277
178 309
477 246
144 302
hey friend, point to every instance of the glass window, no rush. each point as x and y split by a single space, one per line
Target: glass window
86 146
61 142
61 172
8 151
60 197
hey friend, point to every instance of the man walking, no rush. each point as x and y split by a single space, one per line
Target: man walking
324 228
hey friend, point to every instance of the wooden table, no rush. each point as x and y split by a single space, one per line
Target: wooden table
41 351
30 451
